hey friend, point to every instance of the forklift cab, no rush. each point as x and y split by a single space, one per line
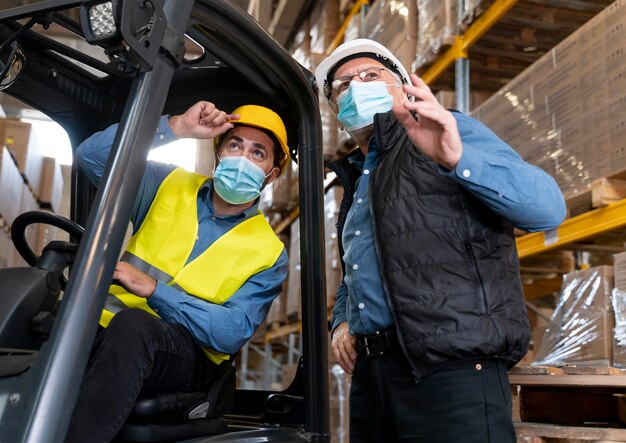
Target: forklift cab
44 342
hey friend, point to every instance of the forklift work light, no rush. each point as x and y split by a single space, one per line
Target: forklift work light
101 20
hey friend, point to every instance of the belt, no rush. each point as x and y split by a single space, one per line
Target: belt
377 344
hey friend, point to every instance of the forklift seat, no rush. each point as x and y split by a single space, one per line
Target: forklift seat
165 416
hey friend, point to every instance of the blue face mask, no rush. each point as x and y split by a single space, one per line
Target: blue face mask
237 180
358 104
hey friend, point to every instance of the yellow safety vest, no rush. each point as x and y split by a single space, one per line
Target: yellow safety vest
163 243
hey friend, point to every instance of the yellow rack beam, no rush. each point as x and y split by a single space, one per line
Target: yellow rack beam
463 42
574 229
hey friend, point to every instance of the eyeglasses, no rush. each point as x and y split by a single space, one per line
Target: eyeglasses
370 74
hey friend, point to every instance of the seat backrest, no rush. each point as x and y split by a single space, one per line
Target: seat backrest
24 294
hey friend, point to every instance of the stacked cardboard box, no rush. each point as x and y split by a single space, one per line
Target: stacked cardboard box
394 24
277 197
581 328
448 98
6 249
51 184
278 311
324 25
334 274
25 148
292 307
11 188
566 113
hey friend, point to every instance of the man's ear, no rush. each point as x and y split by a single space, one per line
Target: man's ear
273 175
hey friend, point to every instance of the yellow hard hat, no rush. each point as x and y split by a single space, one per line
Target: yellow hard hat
264 118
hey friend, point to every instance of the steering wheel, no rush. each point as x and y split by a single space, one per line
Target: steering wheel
18 231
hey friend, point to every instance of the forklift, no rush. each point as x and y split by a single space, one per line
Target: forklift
48 321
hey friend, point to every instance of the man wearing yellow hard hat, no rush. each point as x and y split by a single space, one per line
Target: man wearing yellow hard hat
200 271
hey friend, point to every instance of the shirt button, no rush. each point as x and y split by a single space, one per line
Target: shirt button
213 218
366 171
466 173
355 267
161 136
357 232
197 237
499 195
361 305
359 201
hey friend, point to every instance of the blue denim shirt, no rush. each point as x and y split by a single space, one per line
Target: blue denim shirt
226 327
523 194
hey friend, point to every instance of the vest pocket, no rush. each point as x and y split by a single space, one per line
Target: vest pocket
479 281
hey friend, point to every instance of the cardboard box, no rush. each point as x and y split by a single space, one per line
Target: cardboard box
293 308
25 148
51 184
564 113
619 269
11 188
14 132
6 249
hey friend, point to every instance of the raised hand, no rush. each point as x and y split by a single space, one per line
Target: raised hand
203 120
435 132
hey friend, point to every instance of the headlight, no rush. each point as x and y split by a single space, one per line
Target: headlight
100 20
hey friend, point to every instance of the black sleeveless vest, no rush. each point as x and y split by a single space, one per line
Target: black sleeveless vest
448 263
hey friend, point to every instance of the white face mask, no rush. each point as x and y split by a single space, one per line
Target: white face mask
360 102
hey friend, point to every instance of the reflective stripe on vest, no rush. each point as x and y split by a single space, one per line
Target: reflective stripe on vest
164 241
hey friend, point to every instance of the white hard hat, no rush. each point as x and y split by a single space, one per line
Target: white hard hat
360 47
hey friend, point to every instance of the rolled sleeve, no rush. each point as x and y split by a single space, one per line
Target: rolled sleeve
492 171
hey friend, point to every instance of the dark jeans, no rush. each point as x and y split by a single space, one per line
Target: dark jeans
468 402
136 351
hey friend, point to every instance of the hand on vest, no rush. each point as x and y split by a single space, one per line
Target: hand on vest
435 133
344 347
133 280
203 121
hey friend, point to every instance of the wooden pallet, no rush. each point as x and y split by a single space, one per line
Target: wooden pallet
569 397
540 433
603 192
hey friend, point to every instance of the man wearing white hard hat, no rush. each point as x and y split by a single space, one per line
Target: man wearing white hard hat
199 273
430 313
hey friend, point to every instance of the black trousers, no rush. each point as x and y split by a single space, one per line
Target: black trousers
467 402
136 351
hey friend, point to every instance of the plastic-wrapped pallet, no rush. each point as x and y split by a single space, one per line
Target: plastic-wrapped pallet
581 328
618 298
436 27
339 404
